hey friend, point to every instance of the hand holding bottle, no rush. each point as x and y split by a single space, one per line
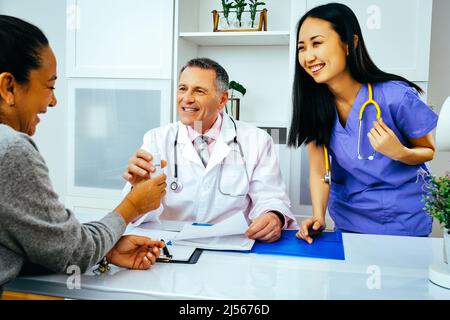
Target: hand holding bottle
141 167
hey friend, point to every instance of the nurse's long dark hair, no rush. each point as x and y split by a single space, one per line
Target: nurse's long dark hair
314 105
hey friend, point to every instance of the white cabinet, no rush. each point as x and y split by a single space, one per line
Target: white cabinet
107 120
119 39
397 33
119 71
258 60
261 61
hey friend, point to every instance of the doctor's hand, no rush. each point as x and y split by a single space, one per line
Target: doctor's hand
135 252
140 167
384 141
309 228
265 228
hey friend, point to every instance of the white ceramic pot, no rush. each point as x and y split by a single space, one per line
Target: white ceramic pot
446 246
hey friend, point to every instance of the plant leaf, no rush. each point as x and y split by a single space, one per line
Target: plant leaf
233 85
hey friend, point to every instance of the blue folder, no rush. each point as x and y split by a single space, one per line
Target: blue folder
327 245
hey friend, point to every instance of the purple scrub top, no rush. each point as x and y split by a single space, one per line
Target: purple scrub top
382 196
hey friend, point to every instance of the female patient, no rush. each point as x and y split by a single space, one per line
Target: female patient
36 231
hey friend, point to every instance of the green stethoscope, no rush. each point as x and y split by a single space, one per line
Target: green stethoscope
370 101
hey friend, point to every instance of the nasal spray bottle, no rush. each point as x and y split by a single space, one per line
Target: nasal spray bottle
156 157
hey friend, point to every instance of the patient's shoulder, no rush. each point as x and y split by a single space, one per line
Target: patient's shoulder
15 143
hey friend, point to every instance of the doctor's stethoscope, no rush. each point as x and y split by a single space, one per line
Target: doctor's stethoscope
327 175
176 186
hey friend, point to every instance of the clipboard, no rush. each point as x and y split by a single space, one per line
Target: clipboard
178 256
327 245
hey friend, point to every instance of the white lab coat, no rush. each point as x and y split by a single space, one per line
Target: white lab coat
200 199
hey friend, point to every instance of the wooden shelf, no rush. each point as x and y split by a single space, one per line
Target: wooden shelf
262 38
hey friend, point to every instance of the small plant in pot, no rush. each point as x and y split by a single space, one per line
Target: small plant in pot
254 4
235 102
227 6
240 7
437 205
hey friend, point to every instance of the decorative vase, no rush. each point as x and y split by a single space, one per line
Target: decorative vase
232 22
234 107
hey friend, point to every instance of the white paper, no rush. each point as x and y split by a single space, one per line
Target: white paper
234 242
149 232
226 235
178 252
235 225
162 225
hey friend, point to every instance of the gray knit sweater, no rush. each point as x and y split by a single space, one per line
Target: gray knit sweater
35 228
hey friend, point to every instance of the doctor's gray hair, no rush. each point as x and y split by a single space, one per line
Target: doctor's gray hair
222 78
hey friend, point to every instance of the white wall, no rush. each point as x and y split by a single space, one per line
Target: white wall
51 136
439 84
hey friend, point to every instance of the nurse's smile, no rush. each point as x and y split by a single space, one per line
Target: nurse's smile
317 68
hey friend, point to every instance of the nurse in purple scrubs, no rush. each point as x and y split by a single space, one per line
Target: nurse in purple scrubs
375 184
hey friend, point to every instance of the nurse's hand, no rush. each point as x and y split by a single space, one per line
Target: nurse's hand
140 167
135 252
265 228
309 228
384 141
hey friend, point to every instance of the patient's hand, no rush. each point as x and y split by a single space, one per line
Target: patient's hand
135 252
266 228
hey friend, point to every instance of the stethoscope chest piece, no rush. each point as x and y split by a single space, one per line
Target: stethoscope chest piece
176 186
370 158
327 177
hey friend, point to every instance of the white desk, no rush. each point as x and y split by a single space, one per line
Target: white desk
403 264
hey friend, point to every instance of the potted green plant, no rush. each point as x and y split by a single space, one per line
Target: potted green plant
253 9
235 102
240 7
437 205
234 17
226 6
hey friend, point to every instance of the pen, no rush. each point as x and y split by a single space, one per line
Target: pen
314 233
166 250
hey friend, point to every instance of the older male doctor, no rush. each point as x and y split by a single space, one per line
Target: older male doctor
216 166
